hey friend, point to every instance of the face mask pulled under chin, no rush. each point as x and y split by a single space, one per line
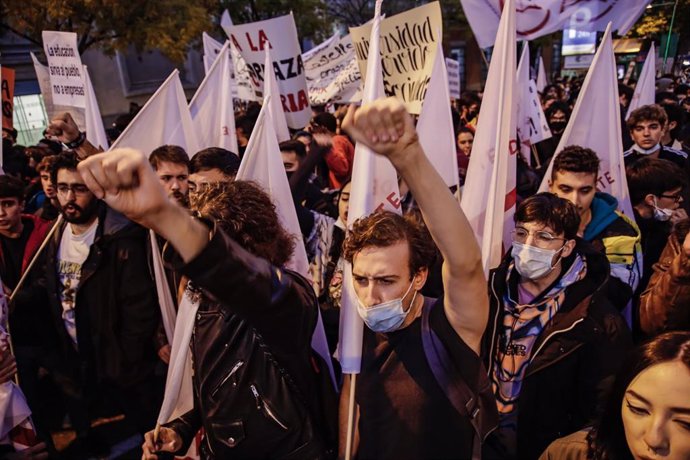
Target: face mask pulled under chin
532 262
386 316
661 214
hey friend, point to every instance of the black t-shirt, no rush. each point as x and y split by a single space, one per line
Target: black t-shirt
403 411
13 255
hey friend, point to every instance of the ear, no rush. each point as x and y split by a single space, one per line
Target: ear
672 125
21 205
420 278
650 199
568 248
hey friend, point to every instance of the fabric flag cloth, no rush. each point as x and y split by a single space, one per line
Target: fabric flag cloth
164 120
536 18
435 124
212 49
374 187
211 108
263 164
595 124
645 90
493 158
95 132
272 98
532 126
43 77
541 76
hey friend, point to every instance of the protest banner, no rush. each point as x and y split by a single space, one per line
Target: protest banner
453 68
408 46
280 35
332 72
7 88
536 18
531 123
489 197
64 68
78 114
243 88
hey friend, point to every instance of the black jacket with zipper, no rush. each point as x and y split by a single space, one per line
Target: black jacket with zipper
256 392
573 359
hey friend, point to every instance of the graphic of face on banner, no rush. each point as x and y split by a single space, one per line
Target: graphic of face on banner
280 34
332 72
7 90
65 68
408 46
453 68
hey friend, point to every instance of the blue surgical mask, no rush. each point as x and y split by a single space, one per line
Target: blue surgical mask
532 262
386 316
661 214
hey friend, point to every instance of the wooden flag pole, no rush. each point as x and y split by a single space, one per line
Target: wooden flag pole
350 418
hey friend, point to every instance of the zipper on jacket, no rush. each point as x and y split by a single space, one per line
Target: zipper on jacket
234 369
575 323
263 407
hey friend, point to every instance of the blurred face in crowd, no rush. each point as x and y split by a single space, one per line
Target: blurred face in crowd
175 180
47 185
465 141
656 412
558 121
344 202
647 133
290 160
577 187
10 215
77 203
200 180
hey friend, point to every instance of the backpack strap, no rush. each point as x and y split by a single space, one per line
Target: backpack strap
479 407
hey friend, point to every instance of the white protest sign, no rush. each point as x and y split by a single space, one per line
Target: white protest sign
332 72
453 68
65 68
78 114
408 46
280 34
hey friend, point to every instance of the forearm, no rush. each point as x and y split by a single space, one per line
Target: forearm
187 235
87 149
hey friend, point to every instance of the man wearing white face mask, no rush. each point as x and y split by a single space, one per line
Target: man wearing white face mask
553 335
422 391
656 193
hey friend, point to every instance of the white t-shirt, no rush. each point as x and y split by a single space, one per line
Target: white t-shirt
73 251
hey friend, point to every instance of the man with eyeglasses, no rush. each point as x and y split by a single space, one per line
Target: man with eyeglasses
104 309
574 177
553 336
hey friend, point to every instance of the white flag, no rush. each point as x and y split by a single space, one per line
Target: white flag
78 114
536 18
374 187
493 160
435 125
164 120
595 124
541 76
211 107
532 126
95 132
272 98
645 90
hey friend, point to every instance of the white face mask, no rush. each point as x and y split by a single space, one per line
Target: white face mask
532 262
661 214
639 149
386 316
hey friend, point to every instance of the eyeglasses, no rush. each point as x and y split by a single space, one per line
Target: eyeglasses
77 189
542 239
677 197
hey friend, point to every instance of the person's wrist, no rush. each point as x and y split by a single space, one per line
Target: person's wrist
77 141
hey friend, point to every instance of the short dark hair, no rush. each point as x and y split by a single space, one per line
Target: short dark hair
299 134
245 124
326 120
294 146
170 153
652 175
661 96
46 163
66 160
625 90
651 112
11 187
558 106
548 209
575 159
465 130
386 228
215 158
674 112
246 213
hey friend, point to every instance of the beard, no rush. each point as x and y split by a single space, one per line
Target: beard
75 214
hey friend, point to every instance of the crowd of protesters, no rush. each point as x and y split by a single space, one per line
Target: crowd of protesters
576 346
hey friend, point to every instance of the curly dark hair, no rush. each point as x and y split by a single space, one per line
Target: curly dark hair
386 228
66 160
651 112
548 209
244 211
575 159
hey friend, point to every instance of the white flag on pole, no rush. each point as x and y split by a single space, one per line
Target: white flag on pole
435 124
212 49
374 187
95 132
272 98
595 124
532 126
493 160
164 120
541 76
211 107
645 90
